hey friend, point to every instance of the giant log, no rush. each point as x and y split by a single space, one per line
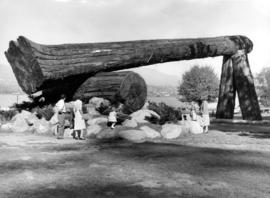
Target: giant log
39 67
125 87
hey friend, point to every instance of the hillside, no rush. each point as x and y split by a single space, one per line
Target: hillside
6 74
8 82
156 78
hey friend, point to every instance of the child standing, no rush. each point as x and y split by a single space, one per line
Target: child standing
79 122
193 114
112 119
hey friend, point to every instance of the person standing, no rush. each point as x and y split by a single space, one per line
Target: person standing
193 114
205 115
112 118
61 109
79 122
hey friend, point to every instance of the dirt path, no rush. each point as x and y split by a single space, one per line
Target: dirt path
216 164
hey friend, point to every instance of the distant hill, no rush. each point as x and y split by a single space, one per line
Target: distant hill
6 74
8 82
156 78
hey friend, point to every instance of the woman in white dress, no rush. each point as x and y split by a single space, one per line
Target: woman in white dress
79 122
205 116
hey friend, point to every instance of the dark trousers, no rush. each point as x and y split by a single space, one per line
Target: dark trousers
61 125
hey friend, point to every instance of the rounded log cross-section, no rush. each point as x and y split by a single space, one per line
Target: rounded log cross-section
37 66
126 87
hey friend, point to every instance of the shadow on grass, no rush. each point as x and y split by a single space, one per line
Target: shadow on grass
251 130
167 158
97 190
176 157
189 159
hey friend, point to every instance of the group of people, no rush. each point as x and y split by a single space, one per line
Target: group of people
202 116
75 118
77 122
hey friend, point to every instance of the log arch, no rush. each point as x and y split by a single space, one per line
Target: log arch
38 67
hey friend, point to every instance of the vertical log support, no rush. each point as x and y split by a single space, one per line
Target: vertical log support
226 101
236 76
245 88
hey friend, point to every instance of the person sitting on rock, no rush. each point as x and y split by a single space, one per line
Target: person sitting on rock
112 119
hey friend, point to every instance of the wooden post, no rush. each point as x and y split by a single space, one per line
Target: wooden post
245 88
226 100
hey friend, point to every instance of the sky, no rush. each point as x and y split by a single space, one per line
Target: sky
86 21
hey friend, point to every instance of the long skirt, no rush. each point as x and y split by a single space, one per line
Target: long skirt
205 120
79 122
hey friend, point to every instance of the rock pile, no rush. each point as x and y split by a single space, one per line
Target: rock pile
136 128
26 121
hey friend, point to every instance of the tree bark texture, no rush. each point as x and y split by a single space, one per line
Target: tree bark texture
38 67
226 100
245 88
126 87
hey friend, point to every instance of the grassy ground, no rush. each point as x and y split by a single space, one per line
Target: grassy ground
232 160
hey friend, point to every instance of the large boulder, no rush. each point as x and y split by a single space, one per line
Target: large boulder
193 127
54 129
150 133
97 102
68 132
140 115
93 130
21 122
130 123
133 135
91 111
106 134
54 119
6 127
24 114
98 120
42 126
171 131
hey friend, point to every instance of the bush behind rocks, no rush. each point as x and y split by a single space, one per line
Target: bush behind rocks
167 113
7 115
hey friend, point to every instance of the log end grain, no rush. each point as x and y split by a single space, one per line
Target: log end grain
24 65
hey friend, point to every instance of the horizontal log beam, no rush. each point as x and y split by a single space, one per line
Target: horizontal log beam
37 66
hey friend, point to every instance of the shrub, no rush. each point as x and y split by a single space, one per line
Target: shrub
45 112
104 109
42 110
7 115
167 113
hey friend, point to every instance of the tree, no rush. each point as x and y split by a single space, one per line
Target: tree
262 83
200 83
